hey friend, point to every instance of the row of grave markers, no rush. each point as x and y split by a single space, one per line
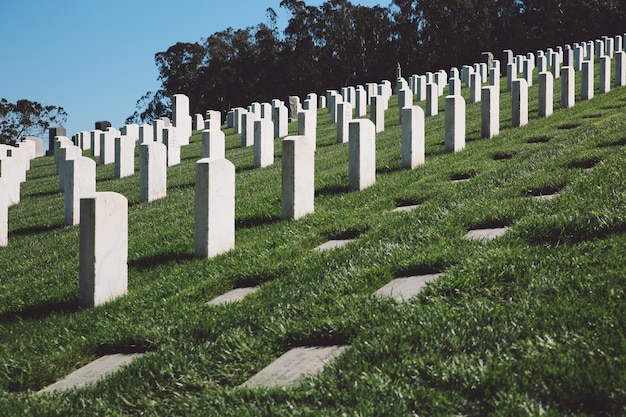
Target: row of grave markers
103 217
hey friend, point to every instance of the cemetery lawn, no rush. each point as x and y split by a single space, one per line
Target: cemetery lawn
532 322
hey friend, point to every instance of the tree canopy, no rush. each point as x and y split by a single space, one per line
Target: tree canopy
339 44
25 117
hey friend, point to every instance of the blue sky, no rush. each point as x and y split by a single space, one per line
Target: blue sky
95 58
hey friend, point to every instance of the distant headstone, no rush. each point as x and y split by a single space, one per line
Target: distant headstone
620 67
360 102
432 100
377 113
214 207
294 108
507 58
213 144
38 145
102 125
307 125
124 156
587 80
604 83
298 177
107 147
52 133
103 259
66 154
344 116
197 122
487 58
181 119
568 87
475 87
146 134
157 130
171 141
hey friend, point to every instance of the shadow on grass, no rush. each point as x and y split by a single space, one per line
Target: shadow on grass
40 311
256 221
33 230
159 259
617 142
389 170
332 190
43 194
540 139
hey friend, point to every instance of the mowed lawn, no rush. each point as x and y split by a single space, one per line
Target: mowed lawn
532 322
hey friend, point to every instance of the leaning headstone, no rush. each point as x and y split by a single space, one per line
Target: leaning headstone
214 144
361 154
298 177
377 113
432 100
546 94
264 141
587 81
152 171
490 116
604 83
519 103
124 156
171 141
344 116
80 181
281 127
214 207
52 133
568 87
455 124
103 262
413 145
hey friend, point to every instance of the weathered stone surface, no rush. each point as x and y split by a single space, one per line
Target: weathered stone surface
298 176
486 234
103 268
293 366
404 288
214 204
92 372
361 154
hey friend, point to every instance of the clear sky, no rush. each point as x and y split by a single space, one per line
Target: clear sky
95 58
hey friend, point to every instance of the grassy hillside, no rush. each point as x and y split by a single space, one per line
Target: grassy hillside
528 323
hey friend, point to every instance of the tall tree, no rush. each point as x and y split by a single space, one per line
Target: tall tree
25 117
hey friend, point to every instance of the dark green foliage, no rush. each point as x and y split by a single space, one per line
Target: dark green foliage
25 117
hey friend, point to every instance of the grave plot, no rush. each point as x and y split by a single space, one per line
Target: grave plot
486 234
92 372
293 366
405 288
233 296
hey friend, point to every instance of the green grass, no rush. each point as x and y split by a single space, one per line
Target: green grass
531 322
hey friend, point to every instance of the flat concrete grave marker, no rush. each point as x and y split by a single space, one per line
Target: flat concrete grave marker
293 366
545 197
333 244
405 288
103 255
486 234
92 372
401 209
233 296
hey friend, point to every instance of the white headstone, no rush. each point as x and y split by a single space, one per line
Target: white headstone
38 144
10 179
454 86
181 119
568 87
214 207
361 102
519 103
377 113
107 147
146 134
171 141
344 116
124 156
66 154
413 126
546 94
95 142
587 80
280 118
475 87
307 124
247 129
405 99
604 84
361 154
80 181
490 116
620 67
264 141
213 144
455 124
198 122
152 171
298 177
103 264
